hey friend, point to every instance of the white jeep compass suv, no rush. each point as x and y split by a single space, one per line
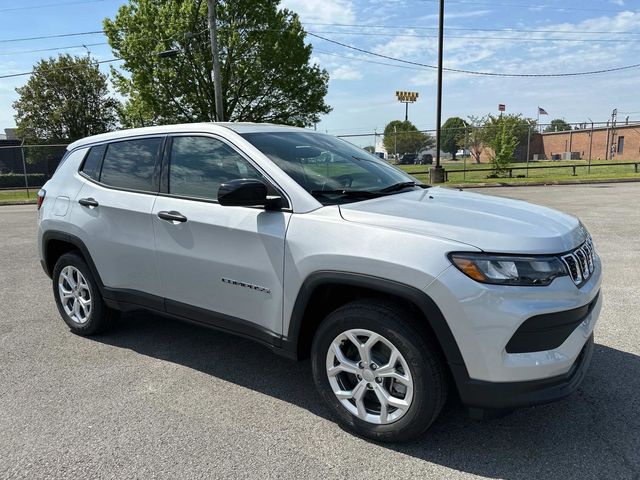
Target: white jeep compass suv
401 293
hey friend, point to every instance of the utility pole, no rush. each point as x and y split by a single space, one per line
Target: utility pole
436 173
395 143
215 73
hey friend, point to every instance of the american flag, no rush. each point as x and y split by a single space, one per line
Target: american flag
542 111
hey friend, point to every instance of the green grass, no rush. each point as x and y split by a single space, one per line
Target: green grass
537 172
10 196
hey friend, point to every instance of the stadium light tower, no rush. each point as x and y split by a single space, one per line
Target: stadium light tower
406 98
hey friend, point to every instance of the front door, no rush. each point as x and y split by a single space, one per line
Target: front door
221 265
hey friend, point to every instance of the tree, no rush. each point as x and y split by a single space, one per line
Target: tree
557 125
405 138
65 99
370 148
521 125
503 144
452 135
266 69
476 136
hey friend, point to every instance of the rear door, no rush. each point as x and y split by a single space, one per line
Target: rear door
220 265
114 213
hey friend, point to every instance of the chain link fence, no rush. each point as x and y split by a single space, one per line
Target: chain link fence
28 167
574 152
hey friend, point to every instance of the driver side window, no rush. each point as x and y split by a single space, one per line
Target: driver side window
199 165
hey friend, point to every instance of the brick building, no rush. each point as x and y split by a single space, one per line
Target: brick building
602 143
620 144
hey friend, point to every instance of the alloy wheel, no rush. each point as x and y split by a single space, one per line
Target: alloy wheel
369 376
75 295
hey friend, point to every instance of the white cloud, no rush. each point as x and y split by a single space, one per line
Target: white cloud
345 72
617 2
322 11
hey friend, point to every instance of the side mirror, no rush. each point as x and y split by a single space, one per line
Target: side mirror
246 192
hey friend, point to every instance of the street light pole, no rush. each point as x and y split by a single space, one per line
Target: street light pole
437 172
215 73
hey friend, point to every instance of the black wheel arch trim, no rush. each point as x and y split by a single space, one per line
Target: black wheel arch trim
76 242
419 298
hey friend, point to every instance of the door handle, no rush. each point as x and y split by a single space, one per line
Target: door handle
172 216
88 202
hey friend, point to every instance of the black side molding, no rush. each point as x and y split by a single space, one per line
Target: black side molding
419 298
549 330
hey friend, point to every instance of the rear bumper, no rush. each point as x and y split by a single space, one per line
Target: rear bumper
505 395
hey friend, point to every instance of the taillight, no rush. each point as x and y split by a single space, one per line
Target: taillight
41 194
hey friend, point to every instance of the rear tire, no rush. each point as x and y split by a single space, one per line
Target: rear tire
78 297
418 371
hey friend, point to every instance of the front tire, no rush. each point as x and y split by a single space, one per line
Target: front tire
78 297
378 370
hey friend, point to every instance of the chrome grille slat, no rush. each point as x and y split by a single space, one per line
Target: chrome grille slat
580 262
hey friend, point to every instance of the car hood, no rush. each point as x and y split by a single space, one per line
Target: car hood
492 224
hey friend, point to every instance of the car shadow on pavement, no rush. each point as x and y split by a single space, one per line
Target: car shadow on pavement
595 433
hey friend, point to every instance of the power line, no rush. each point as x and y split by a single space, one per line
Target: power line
473 72
46 5
84 45
43 37
506 30
58 68
522 39
530 6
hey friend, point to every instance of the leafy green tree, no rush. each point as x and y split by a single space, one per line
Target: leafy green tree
503 144
557 125
266 69
476 136
521 125
403 137
452 135
66 98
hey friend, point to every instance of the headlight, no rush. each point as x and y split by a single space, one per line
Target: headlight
509 269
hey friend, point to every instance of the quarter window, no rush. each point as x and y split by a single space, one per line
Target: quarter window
130 164
199 165
93 162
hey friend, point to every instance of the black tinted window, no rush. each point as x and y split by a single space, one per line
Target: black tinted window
200 164
130 164
93 162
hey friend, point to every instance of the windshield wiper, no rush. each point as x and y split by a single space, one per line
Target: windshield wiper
348 193
396 186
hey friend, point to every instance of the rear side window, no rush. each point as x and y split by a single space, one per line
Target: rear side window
93 162
130 164
199 165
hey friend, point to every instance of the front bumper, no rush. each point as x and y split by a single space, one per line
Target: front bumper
507 395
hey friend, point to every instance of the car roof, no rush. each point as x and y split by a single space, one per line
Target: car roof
212 127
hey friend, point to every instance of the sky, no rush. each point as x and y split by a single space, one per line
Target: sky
502 36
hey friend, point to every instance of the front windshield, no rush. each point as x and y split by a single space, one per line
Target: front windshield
331 169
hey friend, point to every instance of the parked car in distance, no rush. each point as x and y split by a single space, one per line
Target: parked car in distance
408 159
425 159
402 293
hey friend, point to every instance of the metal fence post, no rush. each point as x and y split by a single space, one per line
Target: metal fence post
528 149
24 168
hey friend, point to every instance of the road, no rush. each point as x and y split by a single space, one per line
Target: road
156 398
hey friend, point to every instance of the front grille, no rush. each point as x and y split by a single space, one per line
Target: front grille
580 262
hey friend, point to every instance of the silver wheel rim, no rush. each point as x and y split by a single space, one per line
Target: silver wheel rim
369 376
75 295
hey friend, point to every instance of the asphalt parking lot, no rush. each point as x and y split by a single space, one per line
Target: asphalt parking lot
156 398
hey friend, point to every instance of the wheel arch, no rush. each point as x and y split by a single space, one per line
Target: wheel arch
324 291
56 243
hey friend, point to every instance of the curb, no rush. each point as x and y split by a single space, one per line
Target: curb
19 202
539 184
